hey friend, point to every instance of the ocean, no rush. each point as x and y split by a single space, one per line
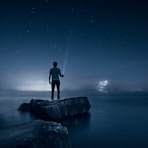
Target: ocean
117 120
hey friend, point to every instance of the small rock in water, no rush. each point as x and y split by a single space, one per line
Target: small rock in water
41 134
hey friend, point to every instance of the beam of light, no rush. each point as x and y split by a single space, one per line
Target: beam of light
65 60
66 55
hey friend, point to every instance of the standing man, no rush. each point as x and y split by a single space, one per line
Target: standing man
55 73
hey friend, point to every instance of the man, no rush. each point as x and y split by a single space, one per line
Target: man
55 73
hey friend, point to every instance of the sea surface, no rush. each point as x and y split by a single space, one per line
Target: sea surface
117 120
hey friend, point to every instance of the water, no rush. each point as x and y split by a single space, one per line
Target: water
116 121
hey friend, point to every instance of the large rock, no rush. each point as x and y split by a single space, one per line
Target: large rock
57 109
37 134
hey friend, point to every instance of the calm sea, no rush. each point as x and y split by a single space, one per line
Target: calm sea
115 120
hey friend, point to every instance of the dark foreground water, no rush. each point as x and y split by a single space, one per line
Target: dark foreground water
115 121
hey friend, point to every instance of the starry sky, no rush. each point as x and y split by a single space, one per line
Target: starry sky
92 41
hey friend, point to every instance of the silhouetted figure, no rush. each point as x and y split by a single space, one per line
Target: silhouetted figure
55 73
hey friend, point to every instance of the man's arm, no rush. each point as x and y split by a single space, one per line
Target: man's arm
49 76
60 74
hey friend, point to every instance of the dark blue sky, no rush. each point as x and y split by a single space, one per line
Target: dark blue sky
97 40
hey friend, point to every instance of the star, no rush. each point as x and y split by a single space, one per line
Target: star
8 74
92 21
16 52
6 49
32 10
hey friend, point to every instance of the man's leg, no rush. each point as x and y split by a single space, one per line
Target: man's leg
58 89
52 89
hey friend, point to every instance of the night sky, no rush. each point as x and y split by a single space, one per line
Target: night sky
93 41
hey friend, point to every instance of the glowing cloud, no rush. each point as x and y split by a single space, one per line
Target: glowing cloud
102 85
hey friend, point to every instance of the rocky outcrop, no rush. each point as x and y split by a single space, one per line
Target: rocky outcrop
41 134
57 109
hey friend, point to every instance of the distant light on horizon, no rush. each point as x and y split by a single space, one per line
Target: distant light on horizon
35 86
102 85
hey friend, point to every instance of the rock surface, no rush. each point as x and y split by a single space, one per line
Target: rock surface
41 134
57 109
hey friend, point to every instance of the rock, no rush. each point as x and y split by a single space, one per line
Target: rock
24 107
42 134
57 109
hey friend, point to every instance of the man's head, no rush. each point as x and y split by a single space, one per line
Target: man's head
55 64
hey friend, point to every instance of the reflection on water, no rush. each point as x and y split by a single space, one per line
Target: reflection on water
14 118
114 121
